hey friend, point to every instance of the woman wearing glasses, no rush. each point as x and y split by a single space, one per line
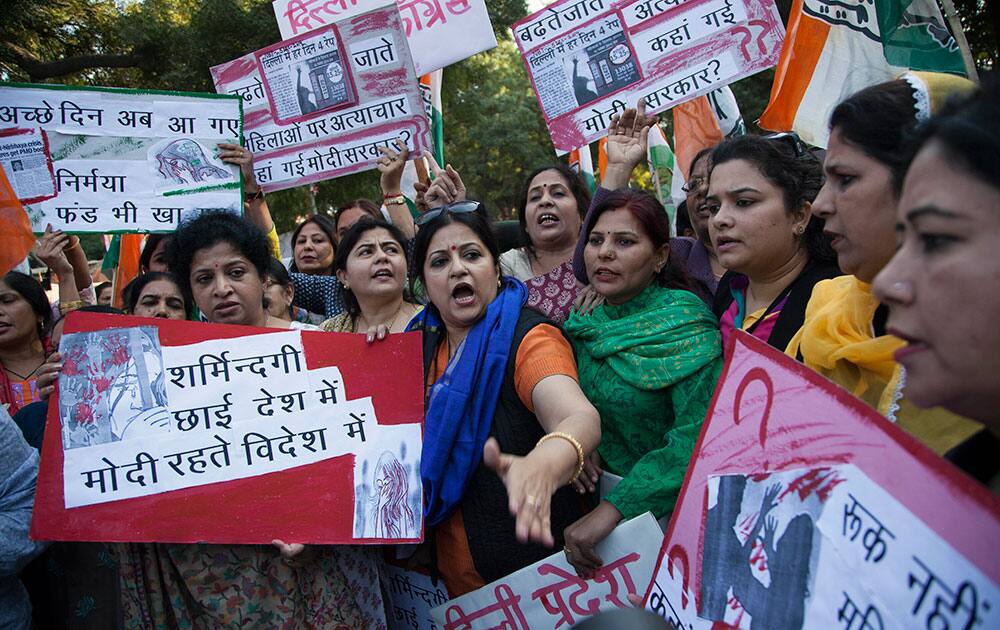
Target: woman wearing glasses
844 335
760 196
507 427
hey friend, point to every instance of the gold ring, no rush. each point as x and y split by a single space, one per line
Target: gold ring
531 500
569 552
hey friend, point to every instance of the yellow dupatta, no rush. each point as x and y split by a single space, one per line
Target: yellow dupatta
838 341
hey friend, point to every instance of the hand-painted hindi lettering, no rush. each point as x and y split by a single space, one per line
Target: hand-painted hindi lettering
549 594
106 160
139 419
410 596
589 59
464 24
319 105
828 537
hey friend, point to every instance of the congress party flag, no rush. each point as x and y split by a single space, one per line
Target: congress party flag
660 158
831 53
430 92
582 162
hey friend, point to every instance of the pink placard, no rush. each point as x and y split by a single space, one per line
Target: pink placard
803 505
295 141
590 59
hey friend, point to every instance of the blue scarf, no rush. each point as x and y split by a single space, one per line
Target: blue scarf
462 402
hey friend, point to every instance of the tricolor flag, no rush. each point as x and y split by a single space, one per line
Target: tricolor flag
833 50
16 237
129 250
660 158
602 156
582 162
415 170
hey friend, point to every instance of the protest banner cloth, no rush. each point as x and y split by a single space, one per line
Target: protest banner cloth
590 59
111 160
833 51
409 597
549 594
463 24
172 431
803 507
320 105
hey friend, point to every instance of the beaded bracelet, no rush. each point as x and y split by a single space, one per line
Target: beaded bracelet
576 444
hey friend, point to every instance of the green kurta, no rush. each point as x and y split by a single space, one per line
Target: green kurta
649 366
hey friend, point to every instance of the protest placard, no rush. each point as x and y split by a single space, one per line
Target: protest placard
409 598
804 508
549 594
320 105
180 432
115 160
590 59
463 24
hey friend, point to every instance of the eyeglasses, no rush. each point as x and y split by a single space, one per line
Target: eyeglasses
456 207
693 184
791 139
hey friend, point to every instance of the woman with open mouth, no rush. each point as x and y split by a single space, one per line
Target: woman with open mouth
507 427
940 285
760 196
648 359
371 265
844 334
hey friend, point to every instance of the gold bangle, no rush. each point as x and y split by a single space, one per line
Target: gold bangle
66 307
576 444
395 200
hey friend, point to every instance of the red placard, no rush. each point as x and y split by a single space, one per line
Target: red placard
312 503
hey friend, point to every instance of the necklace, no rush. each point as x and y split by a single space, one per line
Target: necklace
399 311
29 374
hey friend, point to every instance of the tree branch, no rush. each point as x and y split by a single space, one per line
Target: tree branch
37 69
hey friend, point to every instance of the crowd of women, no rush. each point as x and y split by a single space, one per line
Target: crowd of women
593 343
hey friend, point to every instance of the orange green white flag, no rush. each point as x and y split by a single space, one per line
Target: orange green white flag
833 50
581 161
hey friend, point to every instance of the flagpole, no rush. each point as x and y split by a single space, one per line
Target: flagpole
963 44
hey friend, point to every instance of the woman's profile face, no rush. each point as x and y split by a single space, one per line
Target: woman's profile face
621 259
460 275
313 252
941 286
376 266
18 322
751 230
858 206
226 286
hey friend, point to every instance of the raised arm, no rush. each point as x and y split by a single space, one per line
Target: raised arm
51 250
391 166
254 204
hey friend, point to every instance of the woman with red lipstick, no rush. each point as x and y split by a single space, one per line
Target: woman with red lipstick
940 286
648 359
844 335
507 427
759 197
371 265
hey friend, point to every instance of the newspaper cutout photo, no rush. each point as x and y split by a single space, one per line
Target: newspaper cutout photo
583 66
24 156
306 75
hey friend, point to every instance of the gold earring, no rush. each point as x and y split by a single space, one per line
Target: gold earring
800 230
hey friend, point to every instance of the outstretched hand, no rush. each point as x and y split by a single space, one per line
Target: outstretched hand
529 487
626 145
447 186
391 166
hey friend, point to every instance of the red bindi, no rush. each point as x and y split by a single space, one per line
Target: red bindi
454 247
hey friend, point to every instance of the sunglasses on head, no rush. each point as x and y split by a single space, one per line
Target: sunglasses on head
791 139
456 207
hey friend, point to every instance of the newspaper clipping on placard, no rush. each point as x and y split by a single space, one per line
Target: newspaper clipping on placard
321 105
306 76
463 24
113 160
590 59
24 157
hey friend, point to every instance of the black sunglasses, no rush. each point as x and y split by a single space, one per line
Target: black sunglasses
792 139
456 207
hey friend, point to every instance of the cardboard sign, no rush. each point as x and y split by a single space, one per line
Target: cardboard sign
173 431
114 160
805 508
590 59
463 24
320 105
548 594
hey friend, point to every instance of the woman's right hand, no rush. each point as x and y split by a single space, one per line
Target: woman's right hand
626 146
447 186
591 475
50 249
48 375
